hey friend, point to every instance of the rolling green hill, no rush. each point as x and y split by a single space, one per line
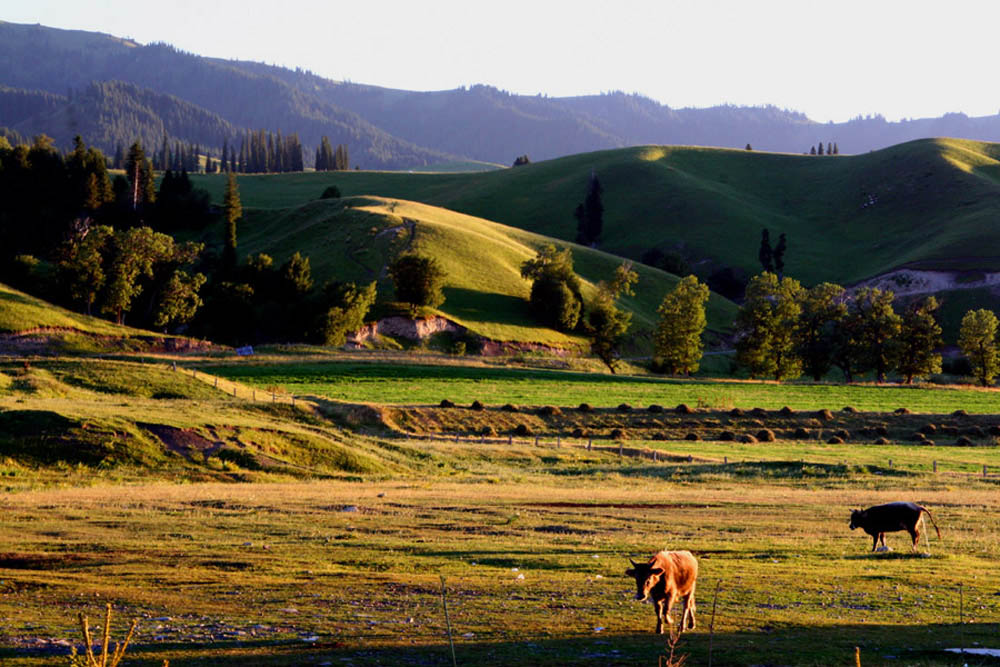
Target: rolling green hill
354 238
930 203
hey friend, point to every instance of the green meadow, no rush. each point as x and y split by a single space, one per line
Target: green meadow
935 200
429 383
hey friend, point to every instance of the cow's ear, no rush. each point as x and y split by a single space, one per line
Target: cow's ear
630 572
656 570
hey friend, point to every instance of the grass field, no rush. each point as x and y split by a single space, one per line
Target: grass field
428 384
349 573
935 200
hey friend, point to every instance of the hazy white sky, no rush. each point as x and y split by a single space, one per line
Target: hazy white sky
830 60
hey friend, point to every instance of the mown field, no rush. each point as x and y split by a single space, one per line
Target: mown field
430 383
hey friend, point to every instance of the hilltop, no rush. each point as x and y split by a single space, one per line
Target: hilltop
926 204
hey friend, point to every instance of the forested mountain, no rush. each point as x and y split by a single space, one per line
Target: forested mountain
48 78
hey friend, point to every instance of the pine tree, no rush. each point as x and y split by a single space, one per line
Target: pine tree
819 149
225 154
233 211
779 257
829 148
766 254
836 151
590 214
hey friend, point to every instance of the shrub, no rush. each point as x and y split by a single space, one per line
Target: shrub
660 436
683 409
766 435
727 436
522 430
882 441
786 411
509 407
960 413
240 457
824 414
445 403
850 409
902 411
488 431
585 407
549 411
692 436
477 406
759 412
655 408
624 407
835 440
736 412
617 434
801 433
748 439
332 192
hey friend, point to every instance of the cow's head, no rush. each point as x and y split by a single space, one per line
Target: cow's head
646 577
857 519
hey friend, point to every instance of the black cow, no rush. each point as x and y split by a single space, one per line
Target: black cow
882 519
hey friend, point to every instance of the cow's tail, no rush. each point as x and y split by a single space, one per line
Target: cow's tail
933 522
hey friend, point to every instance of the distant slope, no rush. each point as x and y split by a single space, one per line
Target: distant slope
355 239
935 204
21 312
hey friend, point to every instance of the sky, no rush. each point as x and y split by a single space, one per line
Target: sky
830 60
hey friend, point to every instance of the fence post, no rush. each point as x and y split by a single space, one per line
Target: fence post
935 466
255 394
234 391
725 460
293 401
274 397
510 440
216 382
456 437
620 448
984 471
558 441
890 463
536 441
590 443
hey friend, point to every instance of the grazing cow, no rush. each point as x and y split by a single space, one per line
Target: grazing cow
882 519
667 576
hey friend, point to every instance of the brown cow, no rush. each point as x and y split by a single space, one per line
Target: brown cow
667 576
888 518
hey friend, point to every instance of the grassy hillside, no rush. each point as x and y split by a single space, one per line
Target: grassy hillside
355 238
934 202
21 312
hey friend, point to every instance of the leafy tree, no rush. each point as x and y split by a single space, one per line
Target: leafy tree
977 339
233 210
919 340
876 326
332 192
766 254
81 268
295 278
136 251
590 215
346 308
749 147
179 300
555 297
522 160
765 327
606 323
677 340
418 280
823 309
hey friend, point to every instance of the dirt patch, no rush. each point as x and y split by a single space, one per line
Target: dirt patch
184 441
22 561
623 506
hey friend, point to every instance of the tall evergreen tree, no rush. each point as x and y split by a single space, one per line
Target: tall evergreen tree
233 211
590 214
779 257
766 254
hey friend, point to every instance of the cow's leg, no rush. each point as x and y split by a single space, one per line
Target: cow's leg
874 541
914 535
688 622
668 604
658 608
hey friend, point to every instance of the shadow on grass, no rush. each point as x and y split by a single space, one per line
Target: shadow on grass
784 470
763 644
